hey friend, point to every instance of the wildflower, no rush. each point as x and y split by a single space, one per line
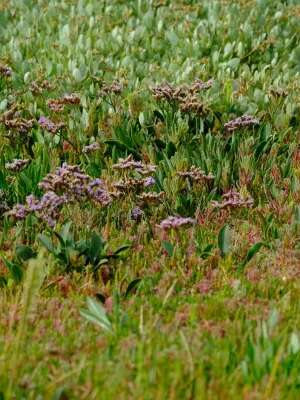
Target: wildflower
233 199
196 174
278 92
37 88
70 99
48 207
114 88
193 105
18 212
16 165
128 185
241 122
96 192
20 125
49 125
91 147
149 181
151 197
137 214
128 163
5 71
3 203
181 93
176 222
57 105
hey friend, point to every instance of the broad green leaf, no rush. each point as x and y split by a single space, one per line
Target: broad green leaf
224 240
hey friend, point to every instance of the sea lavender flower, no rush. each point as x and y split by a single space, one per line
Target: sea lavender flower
151 197
241 122
18 212
114 88
55 105
5 71
98 193
49 125
196 174
233 199
16 165
176 222
49 206
129 163
137 214
38 87
18 124
149 181
3 202
91 147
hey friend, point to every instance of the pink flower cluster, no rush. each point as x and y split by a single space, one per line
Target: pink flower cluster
244 121
17 165
176 222
66 185
233 199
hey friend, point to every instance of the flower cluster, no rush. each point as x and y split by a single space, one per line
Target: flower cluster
71 181
66 185
91 148
49 125
196 174
147 198
16 165
129 164
5 71
58 105
176 222
46 209
114 88
137 214
278 92
132 184
192 105
233 199
179 94
3 203
12 120
38 87
241 122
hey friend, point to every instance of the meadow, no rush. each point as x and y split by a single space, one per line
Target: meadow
149 199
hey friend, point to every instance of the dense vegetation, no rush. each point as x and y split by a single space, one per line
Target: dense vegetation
149 199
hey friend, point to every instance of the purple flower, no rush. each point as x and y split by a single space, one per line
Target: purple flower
241 122
91 147
176 222
233 199
49 125
16 165
5 71
19 212
149 181
137 214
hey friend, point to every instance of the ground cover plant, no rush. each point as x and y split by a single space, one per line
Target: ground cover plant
149 199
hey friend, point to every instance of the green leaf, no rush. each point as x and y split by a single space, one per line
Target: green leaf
46 241
132 285
24 253
96 314
65 231
168 247
252 251
224 240
14 269
121 249
96 247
